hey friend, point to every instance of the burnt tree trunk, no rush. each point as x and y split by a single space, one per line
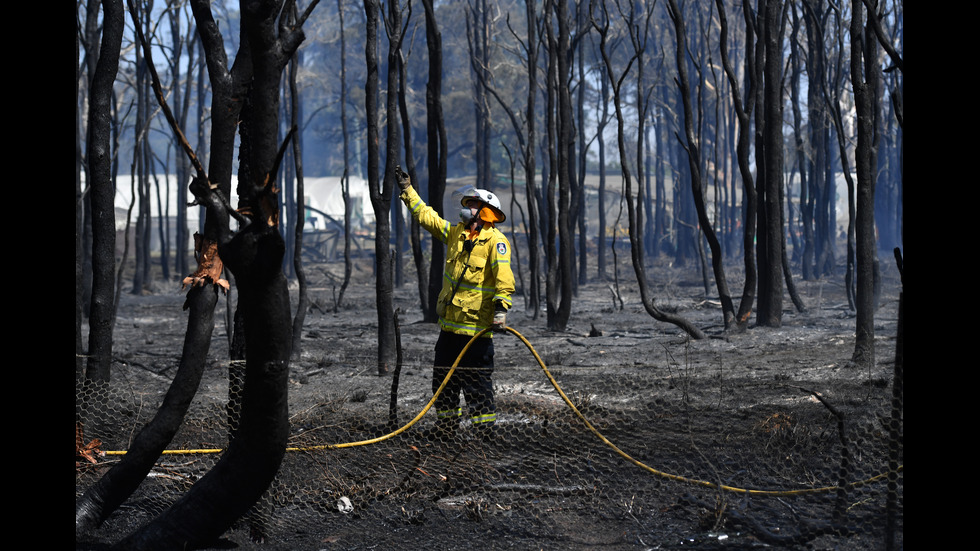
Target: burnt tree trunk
247 468
437 152
254 255
743 110
694 162
381 192
345 178
865 79
770 219
107 494
601 143
102 193
303 300
565 163
530 159
421 269
600 22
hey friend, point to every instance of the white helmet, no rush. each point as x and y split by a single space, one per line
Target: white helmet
482 195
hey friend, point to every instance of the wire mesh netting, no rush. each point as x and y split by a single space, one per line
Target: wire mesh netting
662 443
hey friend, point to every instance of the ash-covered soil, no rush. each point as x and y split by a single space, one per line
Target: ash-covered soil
740 409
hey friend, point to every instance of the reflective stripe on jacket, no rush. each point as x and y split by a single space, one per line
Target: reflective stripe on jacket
472 280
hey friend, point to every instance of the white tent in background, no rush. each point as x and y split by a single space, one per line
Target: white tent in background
325 199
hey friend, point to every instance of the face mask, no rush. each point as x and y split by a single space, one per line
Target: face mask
466 214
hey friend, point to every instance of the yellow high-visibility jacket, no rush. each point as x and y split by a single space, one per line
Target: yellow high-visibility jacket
472 280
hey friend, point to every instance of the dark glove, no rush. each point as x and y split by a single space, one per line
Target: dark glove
404 182
499 317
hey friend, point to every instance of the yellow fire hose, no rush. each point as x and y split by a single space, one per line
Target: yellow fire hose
554 383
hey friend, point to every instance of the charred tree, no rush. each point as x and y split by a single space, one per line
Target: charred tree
579 201
92 376
743 111
525 132
381 190
692 146
550 180
437 152
254 255
393 151
820 164
139 169
566 140
660 238
421 268
600 21
601 143
865 79
117 485
106 495
478 42
345 177
806 253
295 108
182 101
530 159
769 220
102 193
79 224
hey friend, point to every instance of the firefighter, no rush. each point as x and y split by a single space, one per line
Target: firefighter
477 285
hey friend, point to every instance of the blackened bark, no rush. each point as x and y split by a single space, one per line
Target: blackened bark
580 210
79 226
163 222
102 194
380 192
601 142
694 162
246 469
100 500
531 189
345 178
865 79
895 438
91 41
794 295
743 110
228 88
182 99
600 22
393 147
552 284
138 172
565 143
302 302
111 490
770 236
660 235
421 269
821 179
806 253
437 151
525 133
254 255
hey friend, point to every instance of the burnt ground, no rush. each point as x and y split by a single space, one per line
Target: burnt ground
740 410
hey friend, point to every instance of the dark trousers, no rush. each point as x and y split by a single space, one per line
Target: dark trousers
473 377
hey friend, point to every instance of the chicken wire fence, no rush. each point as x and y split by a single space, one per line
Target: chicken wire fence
629 457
